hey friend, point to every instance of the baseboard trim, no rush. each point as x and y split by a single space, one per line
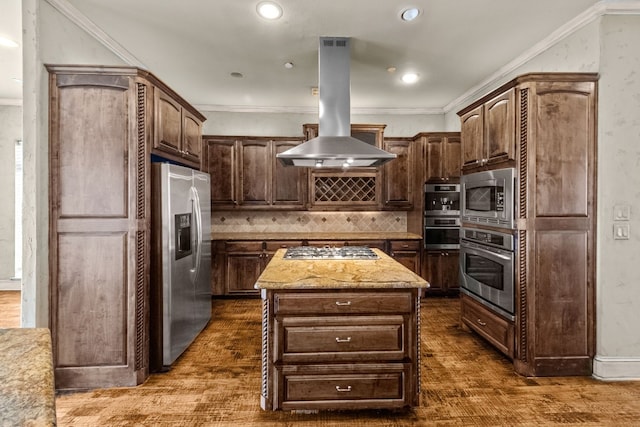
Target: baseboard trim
616 368
10 285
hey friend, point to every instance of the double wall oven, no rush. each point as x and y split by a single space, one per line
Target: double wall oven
441 216
487 266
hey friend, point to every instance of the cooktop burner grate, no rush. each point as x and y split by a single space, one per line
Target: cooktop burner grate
345 252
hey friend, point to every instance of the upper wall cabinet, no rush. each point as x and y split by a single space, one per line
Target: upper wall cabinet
178 130
397 189
488 131
442 156
245 173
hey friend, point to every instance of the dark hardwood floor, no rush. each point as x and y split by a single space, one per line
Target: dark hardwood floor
465 382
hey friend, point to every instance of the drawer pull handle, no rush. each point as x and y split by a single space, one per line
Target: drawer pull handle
482 323
340 389
343 303
347 339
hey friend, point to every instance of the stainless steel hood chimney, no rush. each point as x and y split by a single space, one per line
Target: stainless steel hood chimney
334 146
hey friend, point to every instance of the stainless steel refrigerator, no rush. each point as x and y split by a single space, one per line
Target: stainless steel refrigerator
180 302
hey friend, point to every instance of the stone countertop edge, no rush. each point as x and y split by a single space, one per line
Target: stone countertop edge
384 272
27 389
354 235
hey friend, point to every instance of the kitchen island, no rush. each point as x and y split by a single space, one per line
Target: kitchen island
339 333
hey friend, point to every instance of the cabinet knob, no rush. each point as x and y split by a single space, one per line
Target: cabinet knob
481 323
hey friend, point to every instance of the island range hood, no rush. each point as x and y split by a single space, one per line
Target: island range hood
334 146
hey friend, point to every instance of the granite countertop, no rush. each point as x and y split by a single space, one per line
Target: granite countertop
384 272
27 391
372 235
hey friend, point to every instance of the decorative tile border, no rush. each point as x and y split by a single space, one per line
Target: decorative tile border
295 221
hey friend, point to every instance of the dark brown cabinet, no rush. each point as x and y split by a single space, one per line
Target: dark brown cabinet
554 126
101 126
407 253
245 173
178 131
398 174
340 349
488 131
442 156
441 270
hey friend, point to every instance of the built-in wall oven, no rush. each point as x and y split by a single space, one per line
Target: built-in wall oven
441 232
487 197
487 268
441 216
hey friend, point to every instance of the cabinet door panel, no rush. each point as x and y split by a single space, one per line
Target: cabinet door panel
398 174
168 123
500 128
289 183
450 269
562 169
219 163
452 158
255 173
472 129
434 158
191 138
243 271
432 271
93 177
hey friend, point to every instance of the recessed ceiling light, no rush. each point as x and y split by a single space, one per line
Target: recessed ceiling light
269 10
7 42
410 14
288 65
410 78
391 69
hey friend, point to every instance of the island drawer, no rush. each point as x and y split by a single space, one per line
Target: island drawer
249 246
491 326
344 386
340 338
343 303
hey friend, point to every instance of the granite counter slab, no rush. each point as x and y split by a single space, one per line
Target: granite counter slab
384 272
27 391
374 235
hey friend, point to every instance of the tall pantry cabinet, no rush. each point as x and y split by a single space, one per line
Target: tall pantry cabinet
101 136
544 125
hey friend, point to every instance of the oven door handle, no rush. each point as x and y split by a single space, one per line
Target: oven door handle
475 250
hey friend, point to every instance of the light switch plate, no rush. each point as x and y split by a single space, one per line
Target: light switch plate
621 212
621 231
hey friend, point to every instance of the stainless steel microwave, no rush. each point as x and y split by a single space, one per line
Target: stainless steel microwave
487 197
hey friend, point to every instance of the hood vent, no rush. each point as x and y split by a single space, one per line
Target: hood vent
334 146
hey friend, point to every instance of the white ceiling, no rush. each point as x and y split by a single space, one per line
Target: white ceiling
194 46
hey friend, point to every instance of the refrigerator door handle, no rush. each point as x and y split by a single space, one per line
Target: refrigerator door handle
195 208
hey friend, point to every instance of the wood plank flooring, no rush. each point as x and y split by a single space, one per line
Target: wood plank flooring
465 382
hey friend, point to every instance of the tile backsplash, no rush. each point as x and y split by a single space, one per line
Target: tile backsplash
304 221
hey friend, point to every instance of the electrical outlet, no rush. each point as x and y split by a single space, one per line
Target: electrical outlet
621 231
621 212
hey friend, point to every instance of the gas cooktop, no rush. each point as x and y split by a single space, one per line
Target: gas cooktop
345 252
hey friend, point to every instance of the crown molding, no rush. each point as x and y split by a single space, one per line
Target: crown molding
10 101
604 7
314 110
81 20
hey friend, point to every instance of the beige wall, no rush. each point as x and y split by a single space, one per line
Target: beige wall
289 124
10 131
